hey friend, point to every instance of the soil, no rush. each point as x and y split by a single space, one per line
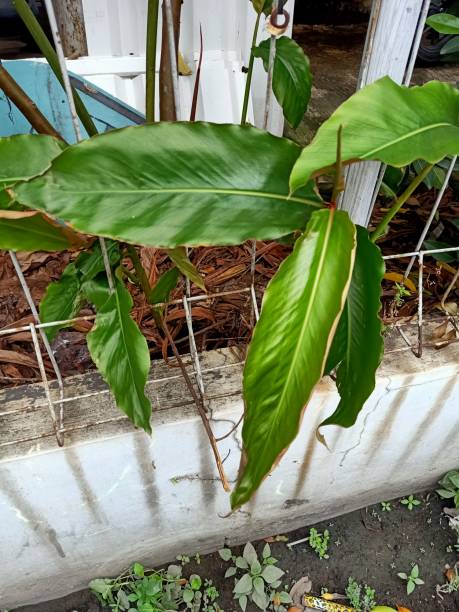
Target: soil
370 545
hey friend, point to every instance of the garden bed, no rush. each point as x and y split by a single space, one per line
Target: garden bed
370 545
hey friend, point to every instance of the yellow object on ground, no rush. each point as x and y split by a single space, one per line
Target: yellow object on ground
317 603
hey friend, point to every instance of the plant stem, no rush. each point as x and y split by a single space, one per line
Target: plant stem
399 202
26 105
141 275
48 51
152 35
248 82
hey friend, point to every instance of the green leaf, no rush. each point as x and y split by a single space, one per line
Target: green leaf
243 602
255 568
271 573
410 586
258 5
188 595
91 263
287 355
454 478
266 551
231 571
195 582
32 234
444 23
448 257
292 77
120 353
172 184
415 571
359 337
138 570
241 563
186 267
451 46
101 586
161 293
436 176
260 600
425 126
25 156
249 553
402 575
259 585
418 581
244 585
225 553
174 571
62 300
446 494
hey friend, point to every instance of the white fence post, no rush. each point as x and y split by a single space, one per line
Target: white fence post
391 42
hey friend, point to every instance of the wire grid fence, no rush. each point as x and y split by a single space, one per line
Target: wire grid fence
56 405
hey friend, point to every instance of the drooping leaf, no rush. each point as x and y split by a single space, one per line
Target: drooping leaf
262 6
444 23
119 350
26 155
424 126
361 332
287 355
33 234
292 78
62 300
173 184
186 267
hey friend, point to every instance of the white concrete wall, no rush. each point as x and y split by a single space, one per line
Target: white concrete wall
90 509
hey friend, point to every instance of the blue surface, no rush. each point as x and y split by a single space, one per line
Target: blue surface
39 82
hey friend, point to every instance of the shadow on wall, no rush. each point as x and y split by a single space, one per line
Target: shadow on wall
341 12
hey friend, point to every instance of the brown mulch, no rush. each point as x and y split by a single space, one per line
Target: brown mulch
220 321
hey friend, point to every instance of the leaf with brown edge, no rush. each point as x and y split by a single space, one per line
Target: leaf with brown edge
286 358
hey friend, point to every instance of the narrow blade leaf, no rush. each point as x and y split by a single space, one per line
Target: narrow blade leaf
120 351
292 77
425 126
286 357
228 184
358 340
186 267
164 286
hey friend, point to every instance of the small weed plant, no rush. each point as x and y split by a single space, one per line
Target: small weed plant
260 582
410 502
142 590
319 542
412 580
386 507
450 487
361 597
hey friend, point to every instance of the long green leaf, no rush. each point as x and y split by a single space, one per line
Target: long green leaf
444 23
286 357
386 122
120 351
172 184
164 286
32 234
358 340
292 78
25 156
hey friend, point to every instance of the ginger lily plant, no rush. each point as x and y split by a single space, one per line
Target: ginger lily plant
172 185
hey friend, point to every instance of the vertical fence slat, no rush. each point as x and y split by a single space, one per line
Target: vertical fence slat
388 49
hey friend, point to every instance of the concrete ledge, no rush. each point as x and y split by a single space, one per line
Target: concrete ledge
113 495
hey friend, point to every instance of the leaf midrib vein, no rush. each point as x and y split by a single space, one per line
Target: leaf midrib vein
412 134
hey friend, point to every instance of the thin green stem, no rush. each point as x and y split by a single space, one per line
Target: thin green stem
48 51
399 202
338 182
152 36
248 82
139 271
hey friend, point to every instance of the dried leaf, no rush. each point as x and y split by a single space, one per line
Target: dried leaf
396 277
